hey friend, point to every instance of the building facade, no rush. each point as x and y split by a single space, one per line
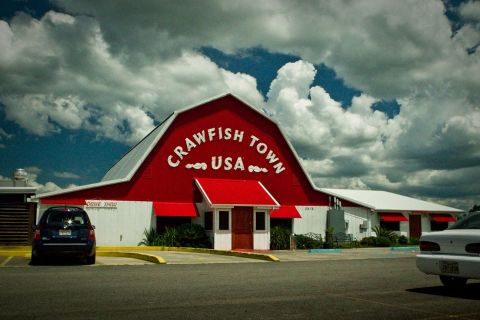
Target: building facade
221 164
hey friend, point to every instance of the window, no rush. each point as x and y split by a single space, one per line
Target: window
390 225
223 223
260 221
438 226
208 220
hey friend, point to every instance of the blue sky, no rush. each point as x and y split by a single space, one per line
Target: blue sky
373 95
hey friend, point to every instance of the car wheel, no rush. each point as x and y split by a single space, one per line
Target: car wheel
453 282
91 259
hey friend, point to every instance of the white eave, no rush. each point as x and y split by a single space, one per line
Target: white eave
384 201
17 190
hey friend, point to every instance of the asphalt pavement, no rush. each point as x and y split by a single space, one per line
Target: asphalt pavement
340 288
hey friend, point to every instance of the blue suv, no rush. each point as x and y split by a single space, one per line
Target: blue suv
64 231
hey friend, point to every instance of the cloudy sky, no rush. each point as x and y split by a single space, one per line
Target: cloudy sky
373 94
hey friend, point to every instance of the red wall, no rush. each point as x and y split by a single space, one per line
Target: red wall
156 180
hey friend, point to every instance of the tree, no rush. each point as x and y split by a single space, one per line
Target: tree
476 207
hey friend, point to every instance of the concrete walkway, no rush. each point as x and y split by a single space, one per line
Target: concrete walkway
344 254
141 255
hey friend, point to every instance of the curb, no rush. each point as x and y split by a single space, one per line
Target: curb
323 250
121 254
21 251
15 253
250 255
410 248
133 255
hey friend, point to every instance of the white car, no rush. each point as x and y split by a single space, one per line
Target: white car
453 254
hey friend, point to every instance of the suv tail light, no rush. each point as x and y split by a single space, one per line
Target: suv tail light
429 246
91 232
37 234
473 248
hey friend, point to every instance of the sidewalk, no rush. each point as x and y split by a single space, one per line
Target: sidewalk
345 254
162 255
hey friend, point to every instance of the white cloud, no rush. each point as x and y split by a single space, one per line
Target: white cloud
60 71
429 148
4 136
112 67
33 173
66 175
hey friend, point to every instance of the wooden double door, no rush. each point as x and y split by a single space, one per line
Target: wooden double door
415 226
242 228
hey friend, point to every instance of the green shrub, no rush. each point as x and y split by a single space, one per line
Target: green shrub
169 238
402 240
382 242
368 242
414 241
279 238
152 238
192 235
308 241
186 235
382 232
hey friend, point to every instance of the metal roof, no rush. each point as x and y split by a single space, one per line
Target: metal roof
131 161
388 201
24 190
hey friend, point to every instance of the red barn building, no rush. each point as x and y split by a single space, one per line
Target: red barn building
222 164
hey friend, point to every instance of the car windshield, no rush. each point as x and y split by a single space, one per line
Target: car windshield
60 218
469 222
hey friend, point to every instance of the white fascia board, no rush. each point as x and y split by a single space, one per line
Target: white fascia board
151 146
270 195
12 190
79 188
205 196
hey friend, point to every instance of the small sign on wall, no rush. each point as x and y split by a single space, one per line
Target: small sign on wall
101 204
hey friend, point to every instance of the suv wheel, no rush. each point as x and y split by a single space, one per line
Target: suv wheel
91 259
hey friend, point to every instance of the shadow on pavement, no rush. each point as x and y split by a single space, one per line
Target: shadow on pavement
471 291
59 261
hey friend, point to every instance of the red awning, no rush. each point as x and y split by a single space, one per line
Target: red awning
73 201
392 217
223 192
442 218
285 212
175 209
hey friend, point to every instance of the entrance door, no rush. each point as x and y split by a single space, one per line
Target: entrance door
415 223
242 228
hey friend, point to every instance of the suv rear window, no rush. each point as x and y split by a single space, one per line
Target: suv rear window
65 217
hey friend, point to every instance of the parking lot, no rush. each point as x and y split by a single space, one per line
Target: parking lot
343 287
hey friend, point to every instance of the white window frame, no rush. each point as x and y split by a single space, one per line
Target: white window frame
217 220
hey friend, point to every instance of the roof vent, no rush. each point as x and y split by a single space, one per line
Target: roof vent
20 178
20 175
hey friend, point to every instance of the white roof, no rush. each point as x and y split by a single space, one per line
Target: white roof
388 201
131 161
17 190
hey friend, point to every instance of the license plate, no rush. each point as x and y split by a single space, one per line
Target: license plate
449 267
64 232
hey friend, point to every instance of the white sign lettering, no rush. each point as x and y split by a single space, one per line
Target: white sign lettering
103 204
222 162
